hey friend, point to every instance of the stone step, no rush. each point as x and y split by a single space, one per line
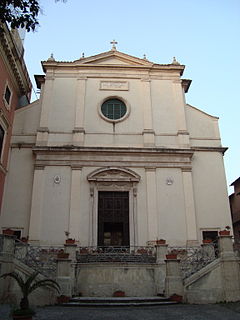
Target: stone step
117 301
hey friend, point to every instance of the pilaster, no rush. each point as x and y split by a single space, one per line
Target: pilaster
190 214
78 132
75 208
37 205
47 100
148 132
152 203
174 281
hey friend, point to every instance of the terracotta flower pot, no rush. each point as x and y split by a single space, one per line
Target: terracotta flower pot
119 293
171 256
176 297
224 233
207 241
8 232
62 299
62 255
70 241
161 241
142 251
83 251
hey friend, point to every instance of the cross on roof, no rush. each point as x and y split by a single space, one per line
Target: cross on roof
114 44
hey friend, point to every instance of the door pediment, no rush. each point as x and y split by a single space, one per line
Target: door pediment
113 175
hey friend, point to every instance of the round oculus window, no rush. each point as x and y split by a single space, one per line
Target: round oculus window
114 109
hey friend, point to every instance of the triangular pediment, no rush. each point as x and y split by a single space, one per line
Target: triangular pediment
114 58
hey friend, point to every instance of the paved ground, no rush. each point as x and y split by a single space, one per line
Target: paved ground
230 311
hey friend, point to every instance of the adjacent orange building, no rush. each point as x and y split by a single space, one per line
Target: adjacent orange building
15 91
234 200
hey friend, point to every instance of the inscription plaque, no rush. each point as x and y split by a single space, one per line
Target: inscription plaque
114 85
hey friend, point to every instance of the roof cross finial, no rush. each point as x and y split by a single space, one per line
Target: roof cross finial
114 44
175 61
51 58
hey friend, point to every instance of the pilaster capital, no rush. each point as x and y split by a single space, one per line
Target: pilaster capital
148 131
43 129
150 169
38 166
76 167
78 130
82 78
146 79
186 169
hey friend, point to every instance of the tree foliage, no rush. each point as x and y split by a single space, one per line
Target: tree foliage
20 13
30 285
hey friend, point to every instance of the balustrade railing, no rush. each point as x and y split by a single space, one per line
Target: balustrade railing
193 259
132 254
40 258
44 258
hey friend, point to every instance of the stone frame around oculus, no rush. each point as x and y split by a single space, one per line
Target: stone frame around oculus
127 104
113 179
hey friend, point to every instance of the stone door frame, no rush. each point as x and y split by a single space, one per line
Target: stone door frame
113 179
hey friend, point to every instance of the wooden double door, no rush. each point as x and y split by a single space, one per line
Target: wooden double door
113 218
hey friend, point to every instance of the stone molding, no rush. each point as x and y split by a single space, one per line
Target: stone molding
113 174
15 61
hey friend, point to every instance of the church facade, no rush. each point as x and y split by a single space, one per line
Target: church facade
112 155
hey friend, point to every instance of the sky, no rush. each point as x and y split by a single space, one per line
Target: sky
203 35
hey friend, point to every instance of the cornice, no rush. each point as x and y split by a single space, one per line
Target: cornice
169 68
14 61
118 150
210 149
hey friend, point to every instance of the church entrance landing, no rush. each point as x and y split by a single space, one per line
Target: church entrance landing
113 218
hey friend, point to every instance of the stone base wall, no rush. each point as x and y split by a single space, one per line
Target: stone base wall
102 280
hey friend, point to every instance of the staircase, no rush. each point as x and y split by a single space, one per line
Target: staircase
118 301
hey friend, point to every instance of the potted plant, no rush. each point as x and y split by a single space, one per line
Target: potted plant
225 232
172 255
70 241
176 297
8 232
83 251
28 286
62 255
119 293
207 241
63 299
160 241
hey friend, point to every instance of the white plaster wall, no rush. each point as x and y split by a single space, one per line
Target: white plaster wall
55 207
26 119
18 190
164 107
62 111
171 207
56 139
202 127
210 191
94 123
